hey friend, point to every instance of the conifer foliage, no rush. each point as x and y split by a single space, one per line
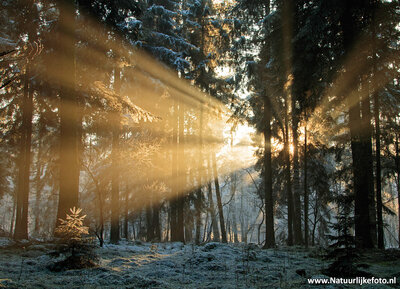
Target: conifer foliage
74 243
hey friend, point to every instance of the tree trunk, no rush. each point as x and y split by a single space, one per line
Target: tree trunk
21 221
126 212
211 206
156 221
378 176
305 188
115 165
379 205
368 164
180 227
38 180
69 124
232 207
199 192
289 195
397 160
297 232
219 201
269 202
360 142
174 176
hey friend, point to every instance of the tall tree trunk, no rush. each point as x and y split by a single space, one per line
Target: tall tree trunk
174 175
126 212
362 168
289 193
214 223
156 221
115 165
305 187
69 124
378 175
368 163
269 203
297 232
232 207
316 206
379 205
219 201
38 180
199 192
149 223
182 178
397 160
21 221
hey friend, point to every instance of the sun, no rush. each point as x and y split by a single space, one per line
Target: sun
291 149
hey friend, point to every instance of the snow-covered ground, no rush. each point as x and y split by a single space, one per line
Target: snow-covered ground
164 265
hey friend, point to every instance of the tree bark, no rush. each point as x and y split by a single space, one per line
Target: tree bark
180 228
69 124
219 201
269 203
297 232
397 160
174 178
232 207
305 188
199 192
378 175
156 221
115 165
38 180
126 212
360 142
289 193
21 221
214 223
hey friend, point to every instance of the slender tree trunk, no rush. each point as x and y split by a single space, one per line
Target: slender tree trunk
288 184
232 207
205 228
101 216
174 179
182 178
126 212
189 221
259 228
298 239
305 188
212 207
21 221
38 181
219 201
397 160
69 124
199 192
12 222
149 223
156 222
378 176
269 202
115 165
315 221
379 205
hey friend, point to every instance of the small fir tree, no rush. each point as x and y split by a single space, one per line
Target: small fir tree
75 243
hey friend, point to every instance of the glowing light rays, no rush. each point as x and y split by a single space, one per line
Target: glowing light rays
146 109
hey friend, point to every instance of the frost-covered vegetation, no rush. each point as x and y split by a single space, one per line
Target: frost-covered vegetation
174 265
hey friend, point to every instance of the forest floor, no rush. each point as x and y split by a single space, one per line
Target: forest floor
174 265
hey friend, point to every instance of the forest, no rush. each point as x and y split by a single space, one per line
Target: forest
199 143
